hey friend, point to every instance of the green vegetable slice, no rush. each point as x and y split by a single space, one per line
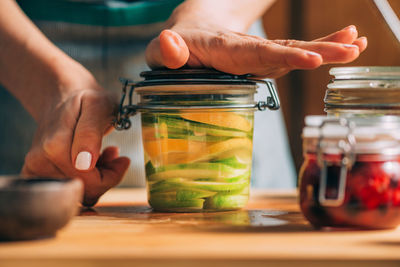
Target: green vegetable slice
176 123
187 194
170 184
196 171
226 202
158 202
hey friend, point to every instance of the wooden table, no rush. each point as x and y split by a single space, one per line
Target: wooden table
122 231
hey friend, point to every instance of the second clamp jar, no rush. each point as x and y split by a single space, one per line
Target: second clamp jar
351 172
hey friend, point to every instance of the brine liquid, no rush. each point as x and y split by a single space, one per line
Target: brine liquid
372 195
198 161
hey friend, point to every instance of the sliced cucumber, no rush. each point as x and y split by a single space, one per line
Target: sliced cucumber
201 128
187 194
226 202
233 162
163 185
158 202
199 138
242 155
196 171
244 176
194 174
149 168
241 191
210 186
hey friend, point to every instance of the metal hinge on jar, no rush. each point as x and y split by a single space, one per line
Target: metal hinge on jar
346 146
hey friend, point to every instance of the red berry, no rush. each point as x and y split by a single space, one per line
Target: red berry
396 197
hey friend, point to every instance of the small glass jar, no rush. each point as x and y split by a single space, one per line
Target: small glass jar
197 131
351 172
363 91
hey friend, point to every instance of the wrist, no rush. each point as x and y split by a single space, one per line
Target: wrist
200 15
51 82
233 15
71 77
33 69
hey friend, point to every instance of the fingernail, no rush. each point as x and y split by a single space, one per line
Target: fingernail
83 161
313 54
351 28
350 46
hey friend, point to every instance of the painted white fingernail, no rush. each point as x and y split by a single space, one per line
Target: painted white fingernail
83 161
350 46
313 54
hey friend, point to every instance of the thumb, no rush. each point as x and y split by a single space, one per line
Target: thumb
94 120
167 50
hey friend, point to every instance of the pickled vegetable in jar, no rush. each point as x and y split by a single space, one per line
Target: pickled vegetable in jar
351 172
197 131
363 91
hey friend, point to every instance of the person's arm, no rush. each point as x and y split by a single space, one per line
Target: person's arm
234 15
72 110
206 33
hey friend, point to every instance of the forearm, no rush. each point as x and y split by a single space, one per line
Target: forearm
31 67
235 15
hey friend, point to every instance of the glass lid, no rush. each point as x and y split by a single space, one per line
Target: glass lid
367 72
364 88
197 89
192 89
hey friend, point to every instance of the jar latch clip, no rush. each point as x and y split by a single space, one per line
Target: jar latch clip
122 121
346 146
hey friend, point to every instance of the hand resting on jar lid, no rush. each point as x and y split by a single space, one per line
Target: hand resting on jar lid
220 43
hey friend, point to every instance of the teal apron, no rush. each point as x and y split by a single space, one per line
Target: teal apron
109 38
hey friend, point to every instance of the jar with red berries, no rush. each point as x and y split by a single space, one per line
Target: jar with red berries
351 172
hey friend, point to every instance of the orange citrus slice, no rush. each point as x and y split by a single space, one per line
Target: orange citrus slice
165 146
222 119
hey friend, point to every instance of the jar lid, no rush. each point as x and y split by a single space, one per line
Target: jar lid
192 89
365 135
194 81
364 90
192 75
367 72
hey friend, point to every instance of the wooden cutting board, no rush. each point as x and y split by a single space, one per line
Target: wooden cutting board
123 231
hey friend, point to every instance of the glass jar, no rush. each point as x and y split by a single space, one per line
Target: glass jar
197 130
363 91
351 172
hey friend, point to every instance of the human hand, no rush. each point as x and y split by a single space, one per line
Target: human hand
72 111
198 46
67 142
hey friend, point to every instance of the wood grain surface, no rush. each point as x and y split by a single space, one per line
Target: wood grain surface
123 231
